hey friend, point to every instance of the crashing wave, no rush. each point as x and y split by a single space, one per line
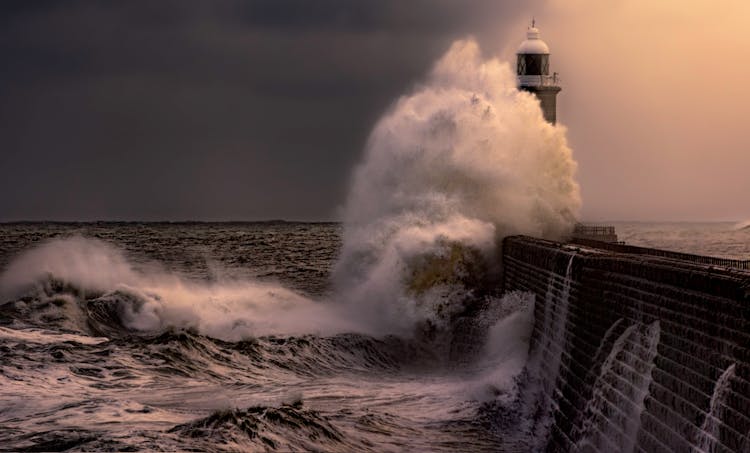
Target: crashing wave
452 168
96 281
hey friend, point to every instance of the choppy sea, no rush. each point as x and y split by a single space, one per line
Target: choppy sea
200 336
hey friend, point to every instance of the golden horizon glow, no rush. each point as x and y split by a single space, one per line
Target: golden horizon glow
656 96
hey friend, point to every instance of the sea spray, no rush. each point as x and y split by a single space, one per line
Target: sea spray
613 414
447 172
101 289
605 341
504 354
455 165
707 440
544 365
592 433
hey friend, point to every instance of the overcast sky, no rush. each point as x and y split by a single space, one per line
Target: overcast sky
249 110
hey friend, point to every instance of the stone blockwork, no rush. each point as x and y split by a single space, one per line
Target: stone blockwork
611 389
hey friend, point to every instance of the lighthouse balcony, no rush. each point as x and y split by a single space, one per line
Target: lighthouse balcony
538 80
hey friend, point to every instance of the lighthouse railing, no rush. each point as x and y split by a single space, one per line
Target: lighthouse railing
539 80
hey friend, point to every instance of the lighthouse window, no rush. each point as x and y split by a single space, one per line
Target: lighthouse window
521 67
533 64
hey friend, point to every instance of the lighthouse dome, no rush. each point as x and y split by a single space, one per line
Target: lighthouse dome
533 44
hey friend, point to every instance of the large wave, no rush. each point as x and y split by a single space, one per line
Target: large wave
453 167
96 286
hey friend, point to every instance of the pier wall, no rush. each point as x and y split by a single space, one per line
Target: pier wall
635 352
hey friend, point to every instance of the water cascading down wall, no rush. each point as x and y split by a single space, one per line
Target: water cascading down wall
633 352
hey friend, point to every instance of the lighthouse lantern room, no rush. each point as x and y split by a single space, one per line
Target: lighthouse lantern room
533 74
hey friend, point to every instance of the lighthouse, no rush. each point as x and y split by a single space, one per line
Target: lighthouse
532 70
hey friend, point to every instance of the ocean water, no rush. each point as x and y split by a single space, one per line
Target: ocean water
383 333
140 336
80 370
719 239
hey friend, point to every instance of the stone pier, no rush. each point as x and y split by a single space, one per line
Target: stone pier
653 352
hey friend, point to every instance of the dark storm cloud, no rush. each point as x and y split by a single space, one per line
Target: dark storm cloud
205 110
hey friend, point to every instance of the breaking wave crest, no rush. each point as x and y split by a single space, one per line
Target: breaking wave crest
88 284
451 169
414 326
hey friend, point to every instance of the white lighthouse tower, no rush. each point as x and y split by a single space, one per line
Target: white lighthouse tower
532 69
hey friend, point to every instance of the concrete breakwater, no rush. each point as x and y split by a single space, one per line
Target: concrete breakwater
633 352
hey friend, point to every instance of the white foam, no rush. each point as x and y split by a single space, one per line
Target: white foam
466 158
156 299
41 336
707 439
505 352
613 414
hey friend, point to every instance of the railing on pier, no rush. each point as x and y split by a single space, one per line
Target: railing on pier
633 249
594 230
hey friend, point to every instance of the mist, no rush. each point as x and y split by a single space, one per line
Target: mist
459 163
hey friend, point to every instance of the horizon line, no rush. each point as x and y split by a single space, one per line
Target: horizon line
183 221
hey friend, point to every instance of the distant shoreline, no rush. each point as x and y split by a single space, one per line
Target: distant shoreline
283 221
168 222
